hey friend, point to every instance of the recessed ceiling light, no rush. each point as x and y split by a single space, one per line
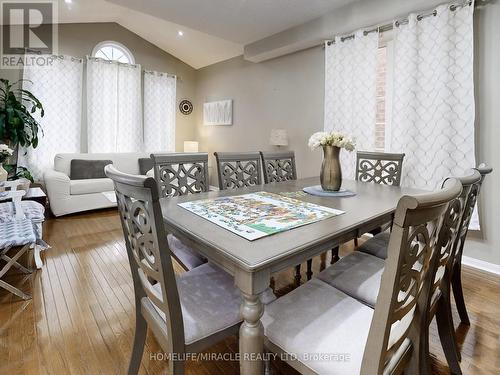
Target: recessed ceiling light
68 1
180 33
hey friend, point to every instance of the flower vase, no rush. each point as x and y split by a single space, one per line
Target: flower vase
3 173
331 172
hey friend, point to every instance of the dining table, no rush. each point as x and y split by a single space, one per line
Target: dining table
253 262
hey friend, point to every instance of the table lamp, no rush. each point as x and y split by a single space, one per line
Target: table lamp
279 137
191 146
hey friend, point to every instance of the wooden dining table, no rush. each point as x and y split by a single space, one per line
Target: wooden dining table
253 262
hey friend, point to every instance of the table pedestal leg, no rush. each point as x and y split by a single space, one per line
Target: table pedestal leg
251 335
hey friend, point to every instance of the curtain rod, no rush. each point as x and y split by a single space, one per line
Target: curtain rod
113 62
397 23
62 57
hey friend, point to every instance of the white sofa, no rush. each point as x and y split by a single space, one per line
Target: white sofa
67 196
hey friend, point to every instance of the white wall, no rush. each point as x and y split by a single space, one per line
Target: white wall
485 245
281 93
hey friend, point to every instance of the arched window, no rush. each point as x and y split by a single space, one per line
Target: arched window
115 51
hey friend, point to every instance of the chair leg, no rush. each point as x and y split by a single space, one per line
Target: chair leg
297 275
12 262
322 264
141 329
272 284
447 335
356 242
456 283
335 255
14 290
309 272
36 255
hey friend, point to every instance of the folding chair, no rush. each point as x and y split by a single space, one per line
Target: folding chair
15 236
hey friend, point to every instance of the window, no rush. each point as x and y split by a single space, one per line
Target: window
113 51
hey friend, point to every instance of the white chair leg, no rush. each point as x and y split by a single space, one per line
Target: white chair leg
36 255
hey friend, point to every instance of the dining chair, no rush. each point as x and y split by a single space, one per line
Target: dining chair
360 339
358 274
12 207
380 168
186 313
181 174
16 238
456 281
237 170
378 244
278 166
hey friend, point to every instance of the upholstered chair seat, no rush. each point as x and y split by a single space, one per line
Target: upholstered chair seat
210 301
188 257
357 275
317 318
32 210
377 245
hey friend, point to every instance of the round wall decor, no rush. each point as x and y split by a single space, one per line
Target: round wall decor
186 107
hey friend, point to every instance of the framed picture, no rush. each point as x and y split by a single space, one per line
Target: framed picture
218 113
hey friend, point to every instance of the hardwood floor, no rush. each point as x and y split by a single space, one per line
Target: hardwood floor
81 321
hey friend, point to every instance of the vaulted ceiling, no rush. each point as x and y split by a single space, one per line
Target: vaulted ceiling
212 30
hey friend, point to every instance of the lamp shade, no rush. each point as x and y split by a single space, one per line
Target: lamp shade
191 146
279 137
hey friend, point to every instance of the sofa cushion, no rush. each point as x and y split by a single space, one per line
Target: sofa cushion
126 162
145 165
91 185
87 169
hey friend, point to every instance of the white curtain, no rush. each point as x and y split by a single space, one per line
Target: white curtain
350 95
114 113
59 88
159 112
433 96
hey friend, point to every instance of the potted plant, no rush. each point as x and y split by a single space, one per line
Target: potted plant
17 107
331 171
18 126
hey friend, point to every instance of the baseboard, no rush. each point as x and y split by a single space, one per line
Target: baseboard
481 265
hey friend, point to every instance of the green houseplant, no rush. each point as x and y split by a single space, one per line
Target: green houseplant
17 107
18 127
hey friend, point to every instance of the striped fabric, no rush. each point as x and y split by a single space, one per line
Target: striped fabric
16 233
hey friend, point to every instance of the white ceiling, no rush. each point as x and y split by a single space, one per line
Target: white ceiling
214 30
240 21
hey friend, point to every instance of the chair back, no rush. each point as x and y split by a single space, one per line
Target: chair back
406 281
278 166
379 167
469 206
155 286
450 231
237 170
181 173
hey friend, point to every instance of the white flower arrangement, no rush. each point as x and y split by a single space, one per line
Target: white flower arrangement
336 139
5 152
